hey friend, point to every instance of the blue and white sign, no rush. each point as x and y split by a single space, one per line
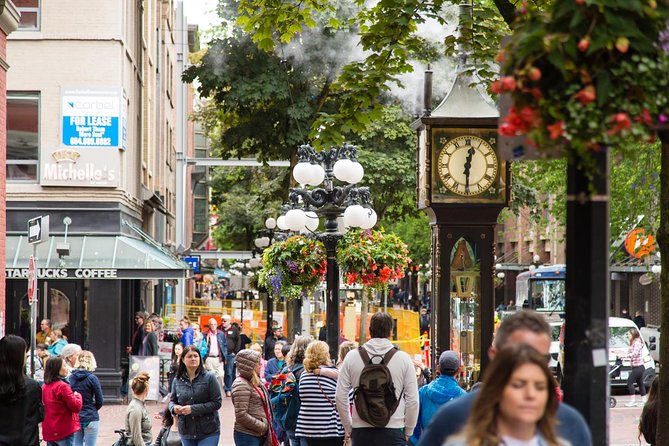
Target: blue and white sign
92 117
194 262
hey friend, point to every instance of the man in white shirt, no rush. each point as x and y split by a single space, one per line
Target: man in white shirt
403 420
217 347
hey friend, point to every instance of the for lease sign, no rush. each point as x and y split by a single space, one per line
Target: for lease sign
91 117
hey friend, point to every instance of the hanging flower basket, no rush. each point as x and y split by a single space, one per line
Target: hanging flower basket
372 258
293 268
586 74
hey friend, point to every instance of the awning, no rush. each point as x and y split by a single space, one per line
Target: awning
93 257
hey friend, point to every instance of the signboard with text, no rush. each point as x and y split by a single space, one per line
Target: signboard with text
194 262
83 167
92 117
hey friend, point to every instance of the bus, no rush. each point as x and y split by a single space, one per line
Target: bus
542 289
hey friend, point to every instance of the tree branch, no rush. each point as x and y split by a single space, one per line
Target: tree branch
507 10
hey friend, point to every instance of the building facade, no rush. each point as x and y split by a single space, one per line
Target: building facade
93 113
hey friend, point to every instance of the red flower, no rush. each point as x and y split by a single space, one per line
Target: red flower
496 86
584 44
556 130
508 83
620 121
587 95
534 74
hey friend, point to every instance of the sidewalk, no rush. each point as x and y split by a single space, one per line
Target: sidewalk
623 422
112 417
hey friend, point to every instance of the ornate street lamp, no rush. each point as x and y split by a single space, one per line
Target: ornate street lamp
332 202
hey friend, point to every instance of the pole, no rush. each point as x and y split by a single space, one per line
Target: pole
33 324
332 294
587 294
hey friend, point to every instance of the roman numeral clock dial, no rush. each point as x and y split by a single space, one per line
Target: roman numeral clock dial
468 165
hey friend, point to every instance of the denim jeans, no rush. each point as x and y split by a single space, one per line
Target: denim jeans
230 371
67 441
87 435
211 440
242 439
297 441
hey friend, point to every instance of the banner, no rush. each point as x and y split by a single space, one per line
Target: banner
150 365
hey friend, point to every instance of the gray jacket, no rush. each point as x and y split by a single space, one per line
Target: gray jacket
203 394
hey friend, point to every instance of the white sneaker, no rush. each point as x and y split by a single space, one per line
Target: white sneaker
641 403
630 404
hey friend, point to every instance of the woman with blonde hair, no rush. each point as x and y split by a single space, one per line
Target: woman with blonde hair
87 384
253 419
263 363
318 420
150 341
344 349
137 421
516 405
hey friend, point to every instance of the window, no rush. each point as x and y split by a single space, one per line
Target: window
22 136
30 16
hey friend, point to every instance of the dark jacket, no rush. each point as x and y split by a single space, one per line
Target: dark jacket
270 342
150 344
222 343
234 338
451 417
203 394
88 385
273 367
639 321
19 418
137 339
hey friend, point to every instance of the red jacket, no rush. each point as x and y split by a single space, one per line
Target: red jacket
61 411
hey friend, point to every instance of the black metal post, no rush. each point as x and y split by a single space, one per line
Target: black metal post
587 294
330 239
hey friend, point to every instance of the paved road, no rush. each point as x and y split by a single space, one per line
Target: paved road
623 422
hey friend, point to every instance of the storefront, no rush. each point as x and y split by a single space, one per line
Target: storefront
90 294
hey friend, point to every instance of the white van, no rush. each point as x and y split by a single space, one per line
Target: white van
619 348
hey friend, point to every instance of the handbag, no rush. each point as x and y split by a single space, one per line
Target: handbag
265 405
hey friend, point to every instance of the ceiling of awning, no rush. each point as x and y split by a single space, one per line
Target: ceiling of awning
116 252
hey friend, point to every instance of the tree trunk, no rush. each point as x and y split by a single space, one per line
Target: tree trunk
364 301
663 242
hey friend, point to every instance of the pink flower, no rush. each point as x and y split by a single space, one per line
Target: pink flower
556 130
584 44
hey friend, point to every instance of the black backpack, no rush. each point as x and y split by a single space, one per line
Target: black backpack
375 397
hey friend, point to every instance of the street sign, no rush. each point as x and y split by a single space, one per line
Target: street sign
38 229
194 262
32 281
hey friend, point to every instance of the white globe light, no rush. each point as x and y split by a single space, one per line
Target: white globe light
656 269
303 173
265 242
281 223
317 175
341 169
532 268
498 266
370 219
341 226
254 263
354 216
295 219
355 173
536 258
270 223
258 242
311 220
500 275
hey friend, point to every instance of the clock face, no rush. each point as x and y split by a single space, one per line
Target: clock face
467 165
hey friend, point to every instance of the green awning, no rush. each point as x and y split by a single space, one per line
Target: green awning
93 257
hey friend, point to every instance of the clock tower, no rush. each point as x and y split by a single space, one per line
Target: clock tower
462 184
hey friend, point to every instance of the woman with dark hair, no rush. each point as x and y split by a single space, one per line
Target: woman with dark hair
21 408
177 350
169 434
196 398
61 405
635 356
137 421
648 420
517 404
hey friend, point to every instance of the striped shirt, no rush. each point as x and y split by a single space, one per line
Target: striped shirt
318 415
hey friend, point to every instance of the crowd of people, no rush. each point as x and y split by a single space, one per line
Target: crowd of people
300 397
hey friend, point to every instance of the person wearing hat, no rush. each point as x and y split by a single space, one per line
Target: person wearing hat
275 335
440 391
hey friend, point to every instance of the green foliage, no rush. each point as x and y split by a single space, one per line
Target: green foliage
415 230
242 198
586 75
293 268
372 258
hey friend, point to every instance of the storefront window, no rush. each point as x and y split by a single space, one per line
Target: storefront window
22 136
60 311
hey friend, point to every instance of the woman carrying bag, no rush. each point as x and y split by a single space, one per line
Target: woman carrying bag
253 419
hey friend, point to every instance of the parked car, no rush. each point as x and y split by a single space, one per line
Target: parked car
618 348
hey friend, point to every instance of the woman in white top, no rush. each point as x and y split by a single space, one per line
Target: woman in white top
517 403
318 421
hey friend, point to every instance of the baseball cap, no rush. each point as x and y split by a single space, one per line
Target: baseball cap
449 361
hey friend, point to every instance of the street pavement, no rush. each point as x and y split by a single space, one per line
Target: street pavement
623 422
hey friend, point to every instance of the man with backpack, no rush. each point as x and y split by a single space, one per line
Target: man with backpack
385 401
